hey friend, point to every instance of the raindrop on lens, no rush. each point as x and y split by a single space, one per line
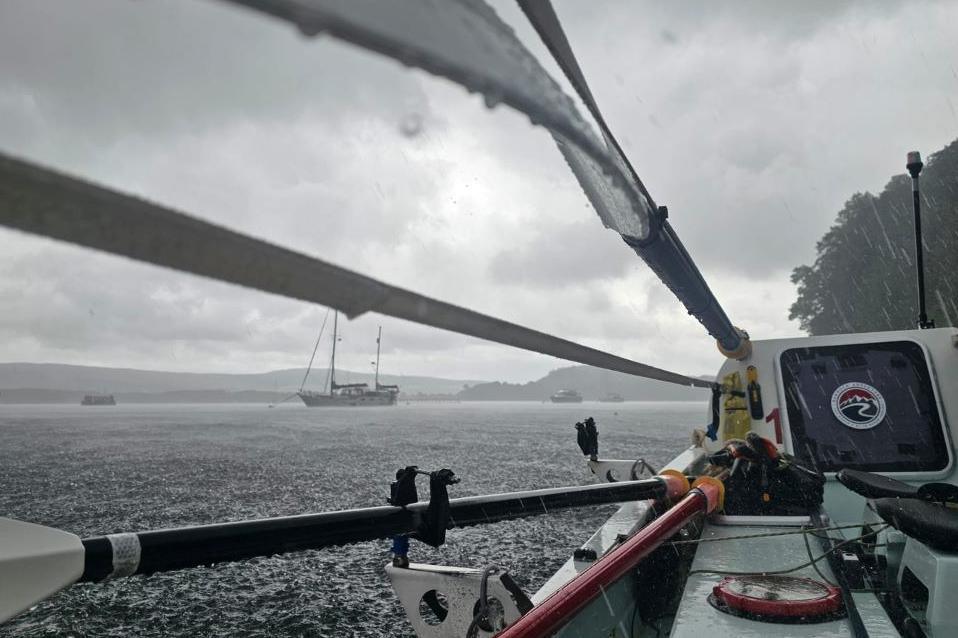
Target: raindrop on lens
411 125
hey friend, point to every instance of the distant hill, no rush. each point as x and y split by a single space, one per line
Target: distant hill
60 383
41 395
592 383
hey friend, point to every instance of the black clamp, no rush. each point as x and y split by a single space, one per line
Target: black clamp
435 520
432 529
587 437
402 491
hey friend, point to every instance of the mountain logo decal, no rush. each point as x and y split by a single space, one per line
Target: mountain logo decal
858 405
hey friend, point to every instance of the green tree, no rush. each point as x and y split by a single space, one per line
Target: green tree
863 278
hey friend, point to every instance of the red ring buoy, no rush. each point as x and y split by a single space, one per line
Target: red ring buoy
778 597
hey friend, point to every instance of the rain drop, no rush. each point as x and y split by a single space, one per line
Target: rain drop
411 125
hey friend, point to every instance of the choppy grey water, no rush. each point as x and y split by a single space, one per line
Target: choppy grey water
134 467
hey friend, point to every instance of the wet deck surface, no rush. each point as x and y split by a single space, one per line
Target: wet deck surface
624 522
697 618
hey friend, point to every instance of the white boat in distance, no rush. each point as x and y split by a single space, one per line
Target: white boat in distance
566 396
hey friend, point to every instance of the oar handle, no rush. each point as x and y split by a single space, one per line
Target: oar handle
555 611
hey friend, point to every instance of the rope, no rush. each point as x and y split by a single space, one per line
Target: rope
808 550
810 563
804 530
312 356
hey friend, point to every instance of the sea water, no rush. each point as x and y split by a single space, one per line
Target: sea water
102 470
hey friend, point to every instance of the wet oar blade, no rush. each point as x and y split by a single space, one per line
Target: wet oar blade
466 42
47 203
35 562
661 249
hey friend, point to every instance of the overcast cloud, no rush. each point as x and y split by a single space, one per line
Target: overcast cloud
753 123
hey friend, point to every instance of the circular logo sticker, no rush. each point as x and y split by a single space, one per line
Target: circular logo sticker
858 405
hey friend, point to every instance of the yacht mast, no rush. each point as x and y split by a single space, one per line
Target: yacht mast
379 338
332 362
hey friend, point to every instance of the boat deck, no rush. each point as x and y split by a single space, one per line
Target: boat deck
696 618
626 521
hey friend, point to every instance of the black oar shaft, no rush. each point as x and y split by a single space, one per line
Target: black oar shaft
169 549
477 510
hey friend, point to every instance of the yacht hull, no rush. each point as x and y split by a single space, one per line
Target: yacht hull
359 400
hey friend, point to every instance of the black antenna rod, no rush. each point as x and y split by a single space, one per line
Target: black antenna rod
914 167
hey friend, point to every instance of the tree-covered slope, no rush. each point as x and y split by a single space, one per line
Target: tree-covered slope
863 278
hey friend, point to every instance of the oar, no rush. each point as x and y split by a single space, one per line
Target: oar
37 561
472 47
555 611
477 50
44 202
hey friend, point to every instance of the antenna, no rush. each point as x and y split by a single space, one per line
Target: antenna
379 338
914 166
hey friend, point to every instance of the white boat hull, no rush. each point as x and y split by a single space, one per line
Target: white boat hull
348 400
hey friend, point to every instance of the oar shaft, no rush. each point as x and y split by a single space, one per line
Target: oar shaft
478 510
41 201
169 549
164 550
554 612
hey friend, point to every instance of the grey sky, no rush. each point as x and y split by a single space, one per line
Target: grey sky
752 122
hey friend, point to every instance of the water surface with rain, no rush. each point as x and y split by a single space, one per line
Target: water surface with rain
135 467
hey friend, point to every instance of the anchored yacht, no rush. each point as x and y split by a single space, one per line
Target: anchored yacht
350 394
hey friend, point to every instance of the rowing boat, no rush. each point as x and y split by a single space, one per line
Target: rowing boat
820 500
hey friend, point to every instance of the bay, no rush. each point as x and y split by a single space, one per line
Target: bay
100 470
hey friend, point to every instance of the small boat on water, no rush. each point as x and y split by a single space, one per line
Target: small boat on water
821 498
612 397
348 394
566 396
98 399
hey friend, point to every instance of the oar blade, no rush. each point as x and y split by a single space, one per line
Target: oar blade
35 563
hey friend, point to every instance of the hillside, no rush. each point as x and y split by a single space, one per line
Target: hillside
36 380
58 383
863 276
73 397
592 383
